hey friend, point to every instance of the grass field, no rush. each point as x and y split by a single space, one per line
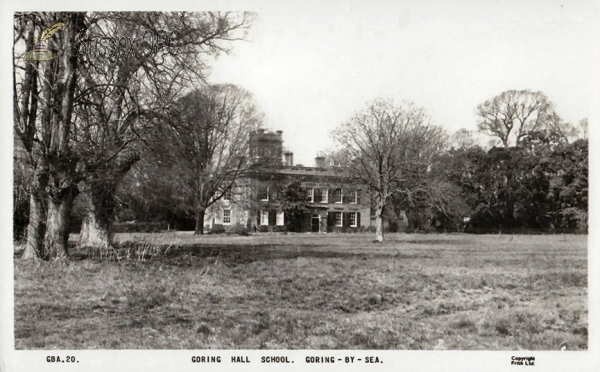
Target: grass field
335 291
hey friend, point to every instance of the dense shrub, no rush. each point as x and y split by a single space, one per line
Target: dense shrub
343 229
217 228
239 229
263 228
139 227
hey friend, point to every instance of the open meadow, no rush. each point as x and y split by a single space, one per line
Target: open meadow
309 291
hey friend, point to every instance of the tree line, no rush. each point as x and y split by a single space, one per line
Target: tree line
534 176
534 181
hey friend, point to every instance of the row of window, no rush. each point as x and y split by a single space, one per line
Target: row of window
321 195
264 218
313 195
338 218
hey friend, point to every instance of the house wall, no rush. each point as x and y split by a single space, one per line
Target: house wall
239 215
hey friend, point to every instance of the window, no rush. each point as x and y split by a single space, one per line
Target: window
352 219
318 195
226 216
278 194
324 195
310 195
337 217
353 197
264 218
227 195
279 219
263 193
337 196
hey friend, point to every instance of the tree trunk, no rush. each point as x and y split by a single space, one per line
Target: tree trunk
25 121
199 221
96 228
57 223
99 197
35 228
59 87
378 227
379 221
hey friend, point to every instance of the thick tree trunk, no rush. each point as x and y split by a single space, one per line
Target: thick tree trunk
96 227
57 223
199 230
95 231
35 228
98 192
25 123
59 88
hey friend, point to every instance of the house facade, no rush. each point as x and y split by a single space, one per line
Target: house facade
280 196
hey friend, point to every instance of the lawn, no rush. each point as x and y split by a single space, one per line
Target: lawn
310 291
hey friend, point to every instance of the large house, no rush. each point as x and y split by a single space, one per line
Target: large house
330 200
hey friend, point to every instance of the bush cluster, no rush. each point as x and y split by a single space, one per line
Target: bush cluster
139 227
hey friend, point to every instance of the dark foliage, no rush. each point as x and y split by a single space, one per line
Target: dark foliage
539 186
140 227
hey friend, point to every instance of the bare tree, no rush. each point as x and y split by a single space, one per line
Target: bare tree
564 130
25 110
44 126
389 147
79 115
203 145
125 90
514 114
462 139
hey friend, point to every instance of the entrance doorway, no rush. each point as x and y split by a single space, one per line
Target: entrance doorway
315 222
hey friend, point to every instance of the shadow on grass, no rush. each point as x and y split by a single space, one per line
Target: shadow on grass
232 255
435 242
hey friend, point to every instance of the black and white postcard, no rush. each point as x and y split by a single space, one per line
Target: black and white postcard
379 186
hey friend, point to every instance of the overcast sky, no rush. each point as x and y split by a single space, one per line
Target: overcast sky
310 66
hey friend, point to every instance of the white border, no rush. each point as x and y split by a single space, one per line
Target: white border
176 360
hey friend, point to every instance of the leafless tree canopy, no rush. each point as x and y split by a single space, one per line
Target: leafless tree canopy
514 114
204 142
389 147
463 138
81 116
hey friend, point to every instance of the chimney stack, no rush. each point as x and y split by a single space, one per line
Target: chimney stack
320 161
289 158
